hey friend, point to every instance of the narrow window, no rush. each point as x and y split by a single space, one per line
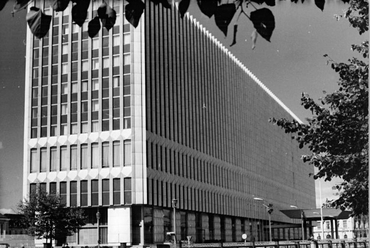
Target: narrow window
53 188
116 153
127 152
105 154
83 193
73 193
94 193
116 191
53 159
74 157
94 156
127 190
105 191
63 193
43 159
34 164
33 188
84 156
63 158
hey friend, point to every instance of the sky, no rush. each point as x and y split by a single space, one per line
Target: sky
290 64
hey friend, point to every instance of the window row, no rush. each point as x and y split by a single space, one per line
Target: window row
109 65
83 156
86 193
161 193
171 161
96 106
63 29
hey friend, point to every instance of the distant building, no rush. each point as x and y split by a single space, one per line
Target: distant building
124 123
346 228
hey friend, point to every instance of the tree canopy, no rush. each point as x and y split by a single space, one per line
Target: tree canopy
44 216
337 134
225 13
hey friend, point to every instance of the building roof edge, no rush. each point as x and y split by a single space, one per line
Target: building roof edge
239 63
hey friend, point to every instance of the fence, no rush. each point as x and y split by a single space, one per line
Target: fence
285 244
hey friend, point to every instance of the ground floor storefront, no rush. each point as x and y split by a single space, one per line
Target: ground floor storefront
142 225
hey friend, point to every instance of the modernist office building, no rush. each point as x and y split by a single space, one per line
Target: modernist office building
125 122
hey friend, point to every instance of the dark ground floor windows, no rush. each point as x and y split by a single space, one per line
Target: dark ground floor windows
145 225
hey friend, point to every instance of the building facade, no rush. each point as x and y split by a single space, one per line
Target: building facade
125 122
351 228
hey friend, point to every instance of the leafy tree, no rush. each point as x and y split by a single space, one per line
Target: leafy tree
46 217
337 134
225 13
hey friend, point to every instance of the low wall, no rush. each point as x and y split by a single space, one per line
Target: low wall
19 241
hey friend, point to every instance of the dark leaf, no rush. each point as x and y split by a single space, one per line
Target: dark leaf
19 5
208 7
234 35
270 2
258 1
165 3
109 18
93 27
223 16
38 22
133 11
320 4
84 3
60 5
2 4
79 14
102 10
183 7
264 22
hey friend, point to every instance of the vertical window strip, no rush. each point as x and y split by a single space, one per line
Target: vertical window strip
127 152
105 191
34 161
73 193
105 154
94 192
43 159
94 155
63 158
83 193
116 153
53 159
116 191
127 190
73 160
63 192
84 156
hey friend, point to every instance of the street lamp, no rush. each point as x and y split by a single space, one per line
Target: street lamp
174 203
97 220
302 220
269 211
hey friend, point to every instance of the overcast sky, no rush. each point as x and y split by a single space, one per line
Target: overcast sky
291 63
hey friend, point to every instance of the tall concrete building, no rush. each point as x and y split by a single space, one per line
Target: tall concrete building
125 122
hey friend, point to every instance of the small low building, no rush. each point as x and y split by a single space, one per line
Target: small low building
333 219
347 228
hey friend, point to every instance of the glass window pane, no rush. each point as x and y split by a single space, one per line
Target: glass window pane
34 161
84 156
74 157
116 153
53 159
94 156
105 154
43 159
63 158
127 153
